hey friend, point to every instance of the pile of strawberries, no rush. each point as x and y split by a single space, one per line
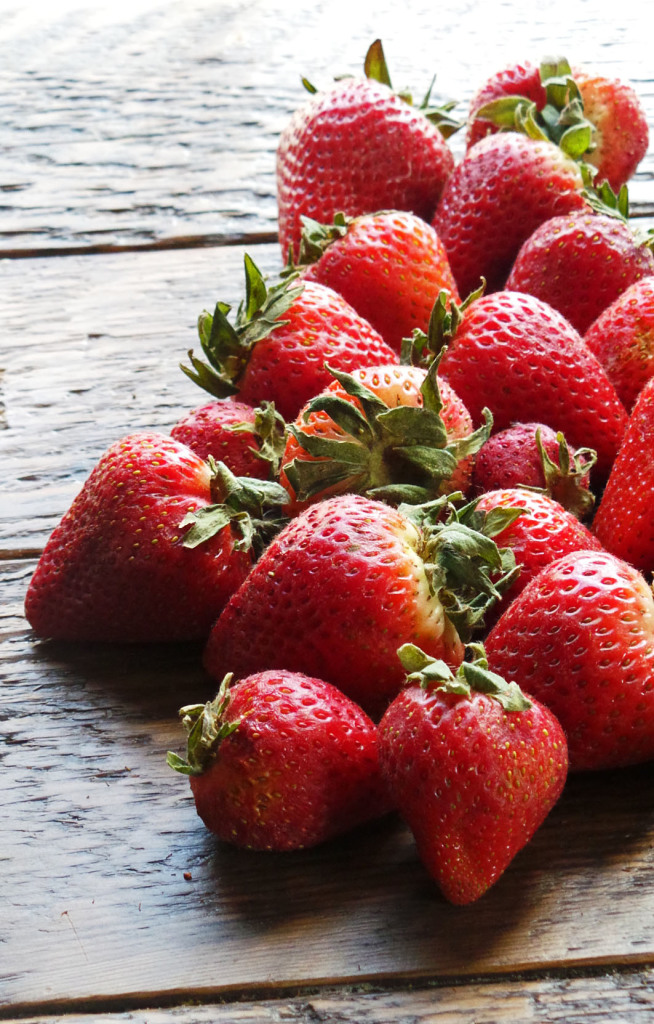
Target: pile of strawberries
412 528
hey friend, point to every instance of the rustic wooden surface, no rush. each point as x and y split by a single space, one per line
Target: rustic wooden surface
153 126
136 124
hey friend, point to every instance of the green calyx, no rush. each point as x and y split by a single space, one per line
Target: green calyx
252 508
269 431
472 676
400 454
227 346
563 478
603 200
446 315
465 568
206 728
601 197
316 238
561 120
376 69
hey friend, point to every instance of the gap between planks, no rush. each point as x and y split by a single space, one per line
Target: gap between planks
159 245
299 1002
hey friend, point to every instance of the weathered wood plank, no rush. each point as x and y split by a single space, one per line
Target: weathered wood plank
616 997
133 123
115 889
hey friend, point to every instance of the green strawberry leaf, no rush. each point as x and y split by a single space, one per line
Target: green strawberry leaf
472 676
206 727
252 508
227 346
344 414
375 66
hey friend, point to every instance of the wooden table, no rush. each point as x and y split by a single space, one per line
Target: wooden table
136 167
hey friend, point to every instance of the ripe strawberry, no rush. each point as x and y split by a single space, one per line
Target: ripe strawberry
518 80
522 359
623 522
120 565
502 190
622 338
580 263
346 583
281 340
621 134
474 768
248 441
619 137
356 148
581 636
533 455
281 761
543 532
391 432
389 266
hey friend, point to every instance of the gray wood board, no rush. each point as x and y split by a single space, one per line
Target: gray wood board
132 124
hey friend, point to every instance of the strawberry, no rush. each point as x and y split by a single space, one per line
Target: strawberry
581 637
281 761
522 359
621 135
542 532
121 565
391 432
580 263
248 441
521 80
347 582
623 522
535 456
356 148
277 349
389 266
554 97
500 192
474 768
622 338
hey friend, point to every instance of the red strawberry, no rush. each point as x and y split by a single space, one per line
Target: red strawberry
522 80
280 343
281 761
389 266
357 148
623 522
502 190
118 566
580 264
622 338
621 134
345 584
474 768
535 456
352 437
619 137
581 637
543 532
248 441
522 359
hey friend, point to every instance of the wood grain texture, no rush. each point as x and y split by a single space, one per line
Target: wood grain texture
114 889
132 123
627 996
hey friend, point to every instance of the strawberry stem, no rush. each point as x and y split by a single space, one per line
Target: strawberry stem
206 728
